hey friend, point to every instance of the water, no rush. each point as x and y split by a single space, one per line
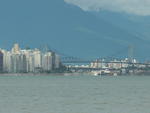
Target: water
74 94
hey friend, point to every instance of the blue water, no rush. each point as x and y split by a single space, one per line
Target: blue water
74 94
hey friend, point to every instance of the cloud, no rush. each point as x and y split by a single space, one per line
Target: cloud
136 7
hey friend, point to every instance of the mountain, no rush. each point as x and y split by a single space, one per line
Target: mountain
72 31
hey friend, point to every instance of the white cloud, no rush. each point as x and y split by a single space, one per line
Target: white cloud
137 7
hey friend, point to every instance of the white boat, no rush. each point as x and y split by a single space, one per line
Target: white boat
96 73
115 74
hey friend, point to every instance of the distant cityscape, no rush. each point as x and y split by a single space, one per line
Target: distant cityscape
28 60
113 67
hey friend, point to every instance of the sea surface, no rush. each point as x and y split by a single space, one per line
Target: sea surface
74 94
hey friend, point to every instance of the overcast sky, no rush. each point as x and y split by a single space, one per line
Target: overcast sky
136 7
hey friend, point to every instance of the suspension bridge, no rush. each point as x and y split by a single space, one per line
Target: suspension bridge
68 59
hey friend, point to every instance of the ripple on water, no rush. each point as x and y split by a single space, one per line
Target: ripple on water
80 94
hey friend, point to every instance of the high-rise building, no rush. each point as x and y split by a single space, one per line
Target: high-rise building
57 61
37 58
18 63
16 48
1 61
29 60
6 61
47 62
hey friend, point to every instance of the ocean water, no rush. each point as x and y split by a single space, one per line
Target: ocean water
74 94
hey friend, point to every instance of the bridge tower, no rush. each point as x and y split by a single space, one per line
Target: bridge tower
130 52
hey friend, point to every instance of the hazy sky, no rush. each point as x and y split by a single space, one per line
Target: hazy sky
137 7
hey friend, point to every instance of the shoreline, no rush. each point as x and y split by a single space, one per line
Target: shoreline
40 74
63 74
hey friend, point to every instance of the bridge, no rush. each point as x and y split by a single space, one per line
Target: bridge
67 59
110 63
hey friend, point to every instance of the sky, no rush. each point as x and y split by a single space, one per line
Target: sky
135 7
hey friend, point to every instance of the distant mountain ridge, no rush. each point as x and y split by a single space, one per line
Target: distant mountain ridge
73 31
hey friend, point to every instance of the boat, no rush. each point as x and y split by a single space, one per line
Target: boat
96 73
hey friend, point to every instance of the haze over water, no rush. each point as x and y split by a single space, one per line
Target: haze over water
74 94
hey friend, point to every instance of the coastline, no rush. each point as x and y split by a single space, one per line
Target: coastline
65 74
40 74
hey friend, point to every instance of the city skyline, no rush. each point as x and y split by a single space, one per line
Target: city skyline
28 60
19 60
